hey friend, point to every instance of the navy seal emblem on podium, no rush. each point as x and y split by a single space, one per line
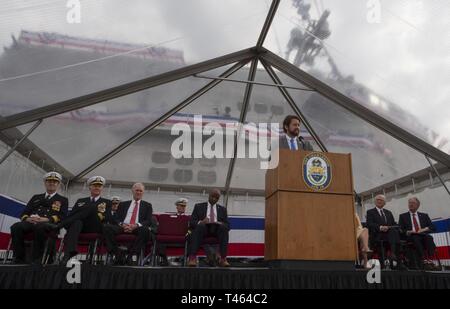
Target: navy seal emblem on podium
316 171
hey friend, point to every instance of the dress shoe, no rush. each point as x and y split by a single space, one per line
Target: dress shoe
164 261
211 260
129 260
120 257
224 263
37 262
402 267
18 261
192 262
67 258
428 266
109 261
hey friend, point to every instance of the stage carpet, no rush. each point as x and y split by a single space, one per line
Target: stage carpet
103 277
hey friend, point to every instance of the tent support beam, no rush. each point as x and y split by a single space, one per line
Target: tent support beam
294 106
13 148
161 119
247 96
356 108
32 152
267 23
122 90
395 186
438 175
254 83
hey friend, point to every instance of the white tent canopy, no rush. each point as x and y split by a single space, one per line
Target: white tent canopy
100 96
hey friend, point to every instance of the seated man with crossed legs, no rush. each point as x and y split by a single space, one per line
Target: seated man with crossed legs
209 219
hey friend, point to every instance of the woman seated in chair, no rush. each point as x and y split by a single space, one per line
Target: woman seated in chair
362 235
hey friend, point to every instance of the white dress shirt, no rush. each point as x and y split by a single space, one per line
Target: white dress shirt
130 212
381 212
49 196
412 222
95 198
289 142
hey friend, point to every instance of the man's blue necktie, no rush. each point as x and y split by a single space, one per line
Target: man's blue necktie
293 144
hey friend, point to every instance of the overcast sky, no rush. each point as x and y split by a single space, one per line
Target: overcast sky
405 57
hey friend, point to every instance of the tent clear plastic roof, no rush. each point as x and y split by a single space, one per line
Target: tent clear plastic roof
93 87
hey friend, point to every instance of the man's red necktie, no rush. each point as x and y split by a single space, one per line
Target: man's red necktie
134 214
416 224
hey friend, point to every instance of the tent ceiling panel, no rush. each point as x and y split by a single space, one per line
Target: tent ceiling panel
393 66
433 200
377 157
356 108
124 89
267 105
78 138
379 89
51 57
14 137
151 159
20 177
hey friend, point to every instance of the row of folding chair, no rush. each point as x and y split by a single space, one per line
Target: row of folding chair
172 231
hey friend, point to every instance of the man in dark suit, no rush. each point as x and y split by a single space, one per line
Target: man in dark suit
133 217
382 226
417 226
209 219
292 139
41 212
87 216
115 201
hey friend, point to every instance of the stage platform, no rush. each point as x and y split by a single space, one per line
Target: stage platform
103 277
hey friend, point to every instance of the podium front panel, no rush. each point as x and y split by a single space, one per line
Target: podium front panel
310 227
308 222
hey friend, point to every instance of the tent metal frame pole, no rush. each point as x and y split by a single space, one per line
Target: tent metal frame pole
437 174
267 23
294 106
247 96
124 89
161 119
13 148
355 108
254 83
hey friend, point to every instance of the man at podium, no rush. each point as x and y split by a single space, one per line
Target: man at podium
292 139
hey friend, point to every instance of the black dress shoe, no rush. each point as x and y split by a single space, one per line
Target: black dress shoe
109 260
120 257
211 260
129 260
164 261
402 267
64 260
18 261
60 226
67 258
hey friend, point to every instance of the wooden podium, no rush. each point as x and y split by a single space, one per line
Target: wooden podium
308 226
